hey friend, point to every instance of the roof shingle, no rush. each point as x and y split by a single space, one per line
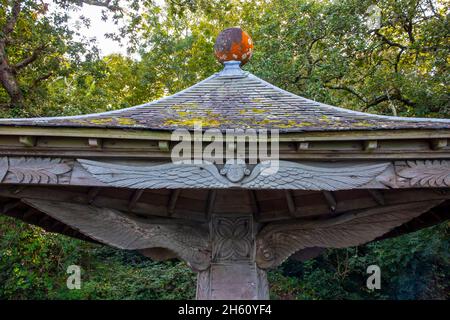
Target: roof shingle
234 99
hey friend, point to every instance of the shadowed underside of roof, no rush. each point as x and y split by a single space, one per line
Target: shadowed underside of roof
234 99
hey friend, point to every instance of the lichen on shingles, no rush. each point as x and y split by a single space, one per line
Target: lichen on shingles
363 124
242 102
121 121
192 122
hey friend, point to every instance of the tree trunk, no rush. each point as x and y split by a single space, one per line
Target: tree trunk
8 79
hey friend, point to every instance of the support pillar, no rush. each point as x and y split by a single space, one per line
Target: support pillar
233 273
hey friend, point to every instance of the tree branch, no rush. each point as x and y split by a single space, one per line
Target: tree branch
397 60
386 97
348 89
390 42
107 4
41 78
12 19
25 62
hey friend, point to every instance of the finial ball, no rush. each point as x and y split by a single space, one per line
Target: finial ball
233 44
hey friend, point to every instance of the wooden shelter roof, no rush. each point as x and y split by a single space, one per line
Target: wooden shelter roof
235 99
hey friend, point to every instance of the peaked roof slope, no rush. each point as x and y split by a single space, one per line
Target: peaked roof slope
235 99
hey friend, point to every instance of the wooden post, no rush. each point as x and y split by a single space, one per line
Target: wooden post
233 273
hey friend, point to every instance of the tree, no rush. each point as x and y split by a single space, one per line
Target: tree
37 44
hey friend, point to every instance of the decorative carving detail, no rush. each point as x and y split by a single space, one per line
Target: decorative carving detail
313 176
33 170
232 238
3 167
427 173
188 241
267 174
235 170
277 241
169 175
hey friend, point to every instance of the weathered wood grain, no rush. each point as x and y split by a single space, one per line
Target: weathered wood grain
277 241
116 229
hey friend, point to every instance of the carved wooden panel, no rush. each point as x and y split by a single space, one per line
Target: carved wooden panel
232 238
277 241
267 174
325 176
188 241
429 173
31 170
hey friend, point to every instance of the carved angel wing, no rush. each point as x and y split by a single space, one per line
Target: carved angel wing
304 176
277 241
114 228
169 175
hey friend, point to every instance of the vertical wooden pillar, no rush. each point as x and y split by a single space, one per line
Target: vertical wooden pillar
233 273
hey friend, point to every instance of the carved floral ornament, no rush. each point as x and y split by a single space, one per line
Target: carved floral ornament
264 175
233 238
429 173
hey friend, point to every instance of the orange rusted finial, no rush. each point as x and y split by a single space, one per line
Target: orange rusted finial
233 44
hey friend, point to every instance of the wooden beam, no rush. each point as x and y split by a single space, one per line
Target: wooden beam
19 189
92 193
164 146
10 206
135 198
435 216
330 199
120 133
95 143
173 201
302 146
370 145
254 205
31 212
159 209
28 141
438 144
290 203
210 203
44 219
377 195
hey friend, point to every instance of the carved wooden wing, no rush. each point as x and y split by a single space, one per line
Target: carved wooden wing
114 228
277 241
169 175
293 175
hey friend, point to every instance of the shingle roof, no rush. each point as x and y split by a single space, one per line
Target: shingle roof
234 99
